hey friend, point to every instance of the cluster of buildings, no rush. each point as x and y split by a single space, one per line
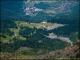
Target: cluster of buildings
30 10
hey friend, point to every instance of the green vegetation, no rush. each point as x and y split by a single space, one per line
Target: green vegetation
71 29
6 33
15 30
67 54
16 34
29 35
78 55
32 25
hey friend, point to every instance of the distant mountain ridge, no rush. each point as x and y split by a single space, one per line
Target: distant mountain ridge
22 9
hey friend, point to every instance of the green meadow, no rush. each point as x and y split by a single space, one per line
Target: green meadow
23 23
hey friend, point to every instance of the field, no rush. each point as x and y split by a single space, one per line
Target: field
31 25
22 23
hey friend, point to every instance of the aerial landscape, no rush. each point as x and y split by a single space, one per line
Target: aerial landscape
39 29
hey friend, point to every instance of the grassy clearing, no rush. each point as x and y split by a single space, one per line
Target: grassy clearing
8 38
19 23
31 25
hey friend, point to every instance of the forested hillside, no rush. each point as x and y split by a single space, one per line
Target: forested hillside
32 28
33 38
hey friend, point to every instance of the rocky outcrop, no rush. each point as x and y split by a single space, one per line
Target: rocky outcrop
68 52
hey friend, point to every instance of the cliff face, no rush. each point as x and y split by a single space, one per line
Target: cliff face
68 52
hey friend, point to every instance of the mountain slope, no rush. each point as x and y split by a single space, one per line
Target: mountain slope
68 52
11 9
